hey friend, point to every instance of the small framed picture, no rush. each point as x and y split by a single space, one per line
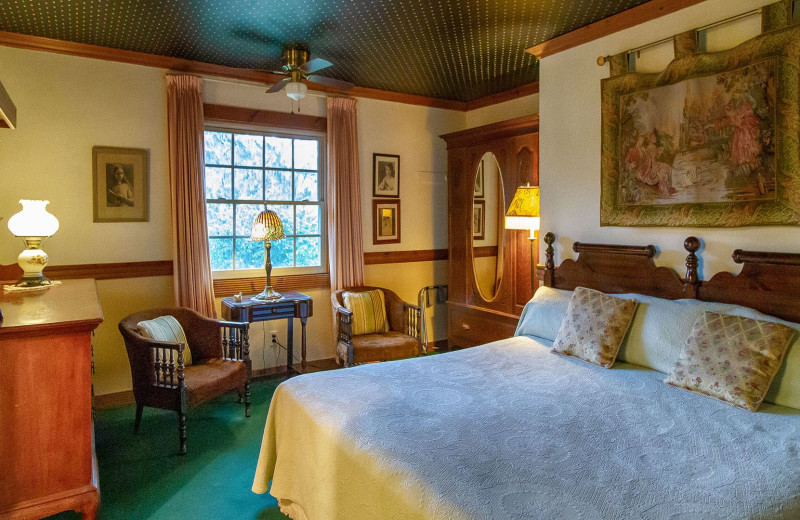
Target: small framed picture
478 219
386 221
120 179
477 190
385 175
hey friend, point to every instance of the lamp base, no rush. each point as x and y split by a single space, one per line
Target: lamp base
34 281
268 294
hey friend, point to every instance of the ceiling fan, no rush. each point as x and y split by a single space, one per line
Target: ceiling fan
298 67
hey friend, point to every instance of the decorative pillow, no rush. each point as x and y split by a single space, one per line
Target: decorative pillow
731 358
166 328
594 326
369 311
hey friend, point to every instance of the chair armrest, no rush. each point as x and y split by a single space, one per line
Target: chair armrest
412 317
235 340
344 330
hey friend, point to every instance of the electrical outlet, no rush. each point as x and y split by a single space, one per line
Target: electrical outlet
273 333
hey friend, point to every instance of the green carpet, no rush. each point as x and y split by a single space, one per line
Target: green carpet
143 477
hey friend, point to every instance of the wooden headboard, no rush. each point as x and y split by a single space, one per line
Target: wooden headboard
768 282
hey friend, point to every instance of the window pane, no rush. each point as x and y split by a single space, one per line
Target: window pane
219 219
221 250
287 217
305 186
279 185
282 253
248 184
308 220
218 148
308 251
249 254
248 150
245 215
278 152
305 154
218 183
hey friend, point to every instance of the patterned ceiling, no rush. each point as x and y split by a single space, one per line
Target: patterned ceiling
450 49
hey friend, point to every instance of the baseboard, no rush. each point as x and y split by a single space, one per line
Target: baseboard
115 399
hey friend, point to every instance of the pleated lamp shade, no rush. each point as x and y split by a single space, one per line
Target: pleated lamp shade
267 226
523 212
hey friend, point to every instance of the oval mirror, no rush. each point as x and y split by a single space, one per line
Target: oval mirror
488 229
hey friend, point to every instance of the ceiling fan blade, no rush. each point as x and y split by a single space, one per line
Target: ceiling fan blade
279 72
279 85
312 66
330 82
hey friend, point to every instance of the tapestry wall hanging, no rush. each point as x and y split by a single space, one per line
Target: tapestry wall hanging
710 141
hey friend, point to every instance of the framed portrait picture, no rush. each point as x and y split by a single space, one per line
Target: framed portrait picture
385 175
121 184
478 219
477 191
386 221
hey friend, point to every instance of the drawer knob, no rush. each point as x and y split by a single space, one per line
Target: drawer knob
465 326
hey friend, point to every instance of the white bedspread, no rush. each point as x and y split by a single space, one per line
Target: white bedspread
510 430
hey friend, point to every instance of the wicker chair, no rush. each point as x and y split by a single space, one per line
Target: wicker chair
221 362
402 340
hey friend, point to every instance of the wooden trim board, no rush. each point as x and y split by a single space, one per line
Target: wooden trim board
38 43
400 257
637 15
229 114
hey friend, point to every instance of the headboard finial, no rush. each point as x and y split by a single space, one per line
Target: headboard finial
692 244
549 238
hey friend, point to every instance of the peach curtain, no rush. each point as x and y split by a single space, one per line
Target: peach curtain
192 265
345 242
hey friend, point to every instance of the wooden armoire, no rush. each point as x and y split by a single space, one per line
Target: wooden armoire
473 319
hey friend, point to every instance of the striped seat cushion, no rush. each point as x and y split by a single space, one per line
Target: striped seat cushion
166 328
369 311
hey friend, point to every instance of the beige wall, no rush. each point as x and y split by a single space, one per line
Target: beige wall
67 105
570 148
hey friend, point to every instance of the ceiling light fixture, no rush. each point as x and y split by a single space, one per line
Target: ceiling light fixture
296 90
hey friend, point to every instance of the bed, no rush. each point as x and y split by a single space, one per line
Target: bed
512 430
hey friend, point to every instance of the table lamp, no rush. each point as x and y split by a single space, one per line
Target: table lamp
267 226
523 213
34 225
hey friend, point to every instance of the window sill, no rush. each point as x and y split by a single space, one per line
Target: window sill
255 285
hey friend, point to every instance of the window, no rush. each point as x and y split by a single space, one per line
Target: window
246 172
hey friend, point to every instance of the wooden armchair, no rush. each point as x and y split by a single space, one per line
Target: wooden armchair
220 363
402 340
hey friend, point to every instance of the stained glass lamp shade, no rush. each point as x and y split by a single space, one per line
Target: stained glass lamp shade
523 212
267 226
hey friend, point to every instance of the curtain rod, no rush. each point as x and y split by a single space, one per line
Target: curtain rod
601 60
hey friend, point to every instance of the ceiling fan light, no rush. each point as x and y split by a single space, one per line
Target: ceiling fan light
296 90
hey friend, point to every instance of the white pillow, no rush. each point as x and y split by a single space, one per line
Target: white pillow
660 328
543 314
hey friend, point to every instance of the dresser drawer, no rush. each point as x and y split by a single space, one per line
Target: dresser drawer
273 311
468 326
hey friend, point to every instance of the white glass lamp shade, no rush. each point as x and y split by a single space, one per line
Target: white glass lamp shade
296 90
523 212
33 220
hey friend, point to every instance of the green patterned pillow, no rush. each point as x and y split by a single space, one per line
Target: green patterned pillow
166 328
369 311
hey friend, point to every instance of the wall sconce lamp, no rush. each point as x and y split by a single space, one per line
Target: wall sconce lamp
34 225
267 226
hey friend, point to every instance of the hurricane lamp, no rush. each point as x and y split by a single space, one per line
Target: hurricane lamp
33 225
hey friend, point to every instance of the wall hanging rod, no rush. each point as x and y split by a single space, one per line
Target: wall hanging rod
601 60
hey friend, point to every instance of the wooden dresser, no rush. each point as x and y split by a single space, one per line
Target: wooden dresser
472 319
47 461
